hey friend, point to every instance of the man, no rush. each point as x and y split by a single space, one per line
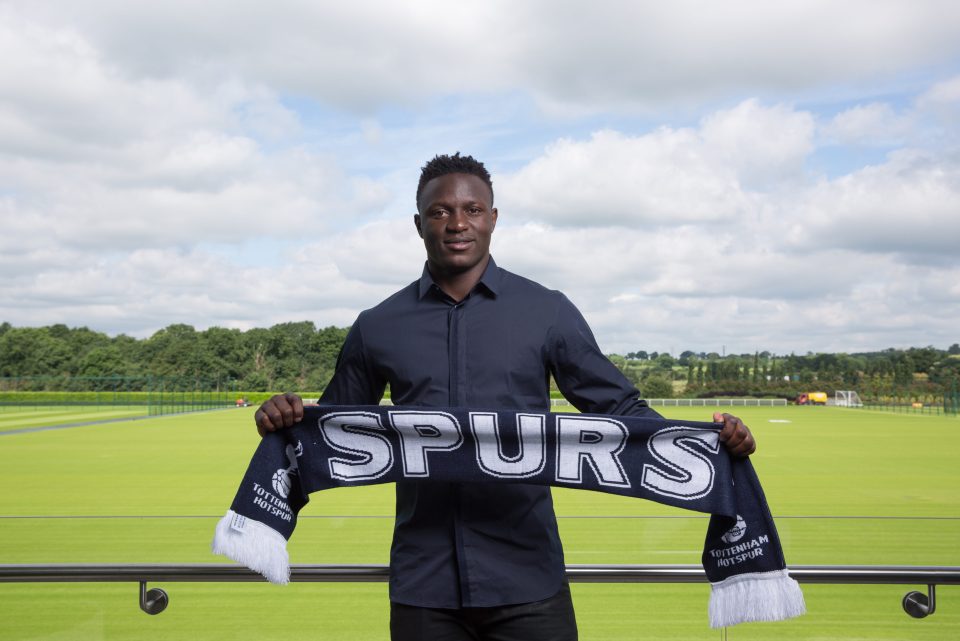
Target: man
472 561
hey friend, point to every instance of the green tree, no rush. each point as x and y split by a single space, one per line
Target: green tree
224 352
34 351
175 351
258 374
130 351
923 358
665 362
657 387
101 361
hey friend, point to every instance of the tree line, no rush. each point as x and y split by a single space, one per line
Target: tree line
301 356
287 356
914 372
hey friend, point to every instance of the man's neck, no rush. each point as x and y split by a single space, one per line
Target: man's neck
458 285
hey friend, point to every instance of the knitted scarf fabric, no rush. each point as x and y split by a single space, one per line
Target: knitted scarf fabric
678 463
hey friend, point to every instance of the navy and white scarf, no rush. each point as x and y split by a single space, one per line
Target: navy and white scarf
679 463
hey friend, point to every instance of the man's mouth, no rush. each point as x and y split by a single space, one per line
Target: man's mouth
458 244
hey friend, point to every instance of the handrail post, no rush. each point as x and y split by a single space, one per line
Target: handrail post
154 600
920 605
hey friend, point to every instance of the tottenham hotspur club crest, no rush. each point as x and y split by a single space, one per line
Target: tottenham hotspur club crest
281 478
735 533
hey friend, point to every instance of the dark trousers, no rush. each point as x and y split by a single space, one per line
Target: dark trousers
548 620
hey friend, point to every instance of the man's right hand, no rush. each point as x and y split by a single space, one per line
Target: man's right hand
282 410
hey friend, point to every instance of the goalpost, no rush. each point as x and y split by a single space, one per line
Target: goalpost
847 398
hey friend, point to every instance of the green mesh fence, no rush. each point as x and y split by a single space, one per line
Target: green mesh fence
904 402
131 395
951 401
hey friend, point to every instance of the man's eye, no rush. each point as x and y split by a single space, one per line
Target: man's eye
475 211
438 213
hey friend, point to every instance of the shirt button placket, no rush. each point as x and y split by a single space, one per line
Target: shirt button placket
457 343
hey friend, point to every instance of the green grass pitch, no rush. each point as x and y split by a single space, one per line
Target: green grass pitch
14 419
846 487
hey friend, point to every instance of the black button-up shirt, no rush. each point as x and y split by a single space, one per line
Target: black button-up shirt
477 545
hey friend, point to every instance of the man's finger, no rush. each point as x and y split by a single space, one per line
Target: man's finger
734 435
729 425
745 447
273 412
262 418
258 418
296 405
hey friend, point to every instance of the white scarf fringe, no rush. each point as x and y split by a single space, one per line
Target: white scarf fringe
758 596
253 544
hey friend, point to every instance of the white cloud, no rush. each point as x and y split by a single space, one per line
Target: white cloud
906 206
945 94
873 124
365 54
655 54
93 158
708 175
145 290
71 102
762 145
213 190
658 178
941 105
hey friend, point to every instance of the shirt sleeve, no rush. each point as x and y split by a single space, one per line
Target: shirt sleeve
584 375
355 381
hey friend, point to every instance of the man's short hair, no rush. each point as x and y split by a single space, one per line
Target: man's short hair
441 165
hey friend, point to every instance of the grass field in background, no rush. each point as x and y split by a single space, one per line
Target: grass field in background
25 417
846 487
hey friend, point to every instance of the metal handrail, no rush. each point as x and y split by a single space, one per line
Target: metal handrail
153 601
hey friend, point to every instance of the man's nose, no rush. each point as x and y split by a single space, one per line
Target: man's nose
457 221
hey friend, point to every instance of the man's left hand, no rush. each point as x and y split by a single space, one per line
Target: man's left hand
734 435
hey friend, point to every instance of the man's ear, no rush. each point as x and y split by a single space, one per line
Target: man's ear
416 223
494 213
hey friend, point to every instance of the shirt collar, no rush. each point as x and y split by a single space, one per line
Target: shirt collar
490 280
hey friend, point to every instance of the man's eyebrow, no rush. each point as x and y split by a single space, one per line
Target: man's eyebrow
448 204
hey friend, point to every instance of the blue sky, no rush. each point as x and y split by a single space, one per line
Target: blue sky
760 176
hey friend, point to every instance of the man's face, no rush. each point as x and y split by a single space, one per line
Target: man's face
456 221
